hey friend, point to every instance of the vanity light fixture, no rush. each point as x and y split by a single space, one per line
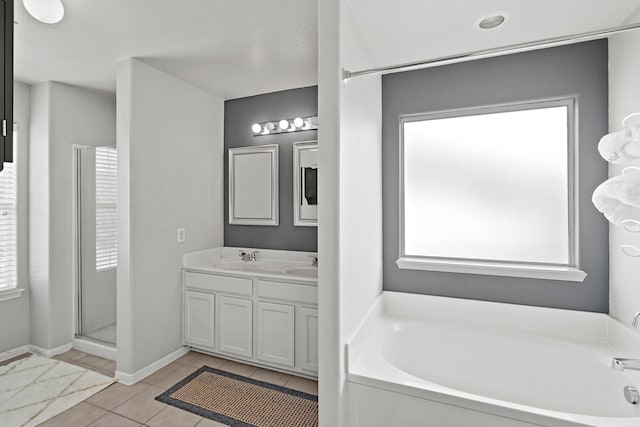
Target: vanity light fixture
45 11
285 125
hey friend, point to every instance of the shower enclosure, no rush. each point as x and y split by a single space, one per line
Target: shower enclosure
96 243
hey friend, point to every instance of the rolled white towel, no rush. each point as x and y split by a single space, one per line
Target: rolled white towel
622 146
618 198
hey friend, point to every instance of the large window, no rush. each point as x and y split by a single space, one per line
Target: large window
9 223
491 191
106 204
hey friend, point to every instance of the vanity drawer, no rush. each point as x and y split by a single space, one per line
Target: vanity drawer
288 291
211 282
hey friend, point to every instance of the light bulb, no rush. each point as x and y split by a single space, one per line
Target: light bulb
46 11
269 127
298 122
256 128
284 124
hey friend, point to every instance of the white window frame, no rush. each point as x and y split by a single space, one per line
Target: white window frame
565 272
15 291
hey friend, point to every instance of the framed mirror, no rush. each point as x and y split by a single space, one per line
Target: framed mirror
253 185
305 184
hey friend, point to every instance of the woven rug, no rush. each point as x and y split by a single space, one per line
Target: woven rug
239 401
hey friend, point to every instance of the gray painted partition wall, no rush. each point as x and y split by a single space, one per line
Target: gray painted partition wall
576 69
239 115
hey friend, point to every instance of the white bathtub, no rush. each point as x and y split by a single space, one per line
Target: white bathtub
432 361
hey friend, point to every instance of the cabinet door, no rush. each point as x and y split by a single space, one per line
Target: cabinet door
198 319
307 339
276 333
235 326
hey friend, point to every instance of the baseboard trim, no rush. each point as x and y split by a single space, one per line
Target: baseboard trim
130 379
9 354
94 348
49 353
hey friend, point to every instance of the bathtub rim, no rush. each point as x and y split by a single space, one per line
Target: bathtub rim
527 319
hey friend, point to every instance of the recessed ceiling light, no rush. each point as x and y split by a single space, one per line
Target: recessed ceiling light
493 20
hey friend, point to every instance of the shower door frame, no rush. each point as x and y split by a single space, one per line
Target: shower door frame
78 241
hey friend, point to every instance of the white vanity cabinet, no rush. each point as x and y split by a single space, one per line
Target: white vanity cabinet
235 326
198 319
253 319
276 333
307 339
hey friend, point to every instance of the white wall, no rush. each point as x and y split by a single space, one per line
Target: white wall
624 99
61 116
350 243
170 147
14 314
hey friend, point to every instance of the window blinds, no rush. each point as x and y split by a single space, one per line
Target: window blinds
106 213
9 223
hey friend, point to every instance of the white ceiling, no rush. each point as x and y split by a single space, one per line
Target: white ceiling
231 48
416 30
235 48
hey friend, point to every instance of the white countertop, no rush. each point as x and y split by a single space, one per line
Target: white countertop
270 264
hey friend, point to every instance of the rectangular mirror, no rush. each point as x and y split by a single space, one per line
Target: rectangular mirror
305 184
253 185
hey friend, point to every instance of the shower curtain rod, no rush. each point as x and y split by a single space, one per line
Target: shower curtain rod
479 54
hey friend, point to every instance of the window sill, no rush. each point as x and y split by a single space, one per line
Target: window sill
8 294
531 271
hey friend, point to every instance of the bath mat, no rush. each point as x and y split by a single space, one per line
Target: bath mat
239 401
35 389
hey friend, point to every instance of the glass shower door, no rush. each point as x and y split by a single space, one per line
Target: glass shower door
97 243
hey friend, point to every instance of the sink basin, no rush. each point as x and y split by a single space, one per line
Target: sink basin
310 272
267 267
246 266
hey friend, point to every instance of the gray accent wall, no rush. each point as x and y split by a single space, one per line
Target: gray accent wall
239 115
579 69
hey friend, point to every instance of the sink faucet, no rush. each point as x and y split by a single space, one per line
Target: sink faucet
636 319
314 263
620 364
245 256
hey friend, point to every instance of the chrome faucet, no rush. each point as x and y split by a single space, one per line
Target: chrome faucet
636 319
246 256
620 364
314 263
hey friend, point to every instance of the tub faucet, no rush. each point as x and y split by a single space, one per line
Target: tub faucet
314 262
620 364
245 256
636 319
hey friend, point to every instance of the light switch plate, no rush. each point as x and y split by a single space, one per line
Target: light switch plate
182 235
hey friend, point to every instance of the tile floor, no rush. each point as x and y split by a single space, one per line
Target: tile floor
104 366
124 406
106 334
